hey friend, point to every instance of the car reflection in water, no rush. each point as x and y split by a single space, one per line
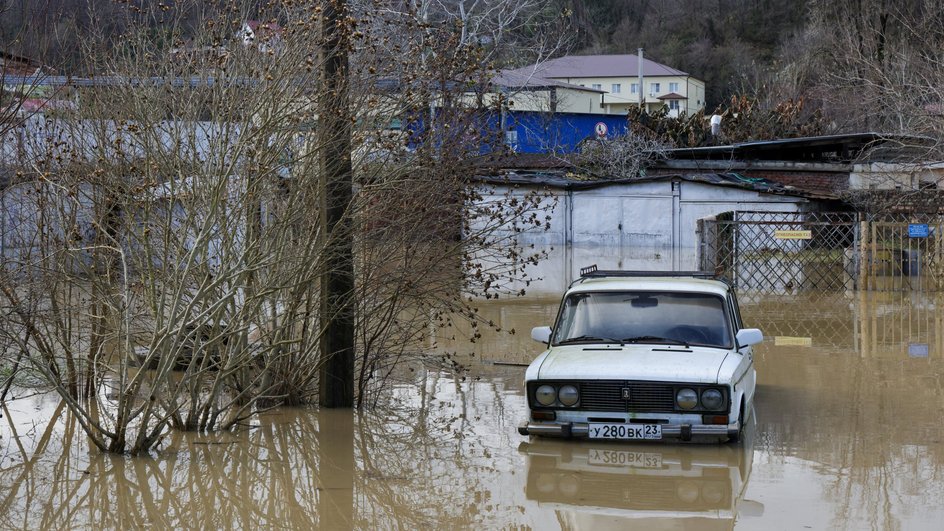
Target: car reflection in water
598 485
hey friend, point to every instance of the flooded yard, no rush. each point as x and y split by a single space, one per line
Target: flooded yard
848 435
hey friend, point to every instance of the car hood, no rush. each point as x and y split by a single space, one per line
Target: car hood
661 363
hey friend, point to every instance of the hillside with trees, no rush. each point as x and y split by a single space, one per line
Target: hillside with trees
868 64
732 44
863 65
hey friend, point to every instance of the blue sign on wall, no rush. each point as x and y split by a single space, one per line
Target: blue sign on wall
918 350
918 230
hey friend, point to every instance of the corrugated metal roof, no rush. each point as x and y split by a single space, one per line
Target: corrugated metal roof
625 65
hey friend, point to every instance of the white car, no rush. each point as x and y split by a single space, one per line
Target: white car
643 356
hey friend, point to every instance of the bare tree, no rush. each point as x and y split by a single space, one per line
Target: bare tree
174 253
880 68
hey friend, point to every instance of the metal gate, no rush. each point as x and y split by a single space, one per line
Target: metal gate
782 252
902 252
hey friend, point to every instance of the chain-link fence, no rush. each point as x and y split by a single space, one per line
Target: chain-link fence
781 252
902 252
787 252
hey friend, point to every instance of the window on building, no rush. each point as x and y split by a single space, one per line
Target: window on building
673 105
673 87
615 88
654 88
596 86
634 88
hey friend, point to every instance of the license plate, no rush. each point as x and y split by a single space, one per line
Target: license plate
625 431
624 458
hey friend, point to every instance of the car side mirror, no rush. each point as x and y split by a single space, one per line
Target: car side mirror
748 336
541 334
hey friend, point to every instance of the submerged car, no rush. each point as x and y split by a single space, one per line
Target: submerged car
643 356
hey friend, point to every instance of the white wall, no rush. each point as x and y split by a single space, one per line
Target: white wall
647 226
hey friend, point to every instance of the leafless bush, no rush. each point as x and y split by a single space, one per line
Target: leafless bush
624 157
175 248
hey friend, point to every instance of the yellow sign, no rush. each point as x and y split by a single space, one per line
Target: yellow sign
793 234
787 341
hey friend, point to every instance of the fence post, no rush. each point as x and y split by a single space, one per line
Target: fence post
700 246
863 282
938 255
872 262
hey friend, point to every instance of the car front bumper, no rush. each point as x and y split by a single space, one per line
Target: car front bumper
580 430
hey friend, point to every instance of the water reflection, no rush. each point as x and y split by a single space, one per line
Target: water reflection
851 420
848 436
262 477
596 485
439 459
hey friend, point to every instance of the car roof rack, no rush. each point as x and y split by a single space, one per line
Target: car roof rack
593 272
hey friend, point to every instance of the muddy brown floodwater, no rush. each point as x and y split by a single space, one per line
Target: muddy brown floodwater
848 435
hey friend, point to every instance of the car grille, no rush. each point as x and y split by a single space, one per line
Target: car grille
644 396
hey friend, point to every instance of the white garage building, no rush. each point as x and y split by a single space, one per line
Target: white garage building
648 224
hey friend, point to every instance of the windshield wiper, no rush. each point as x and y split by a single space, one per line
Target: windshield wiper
647 339
580 339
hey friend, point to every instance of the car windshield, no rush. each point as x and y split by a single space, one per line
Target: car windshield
644 317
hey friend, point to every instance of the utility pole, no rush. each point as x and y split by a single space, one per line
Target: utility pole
642 98
336 384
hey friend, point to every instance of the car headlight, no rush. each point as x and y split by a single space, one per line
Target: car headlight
568 395
545 395
712 399
686 398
